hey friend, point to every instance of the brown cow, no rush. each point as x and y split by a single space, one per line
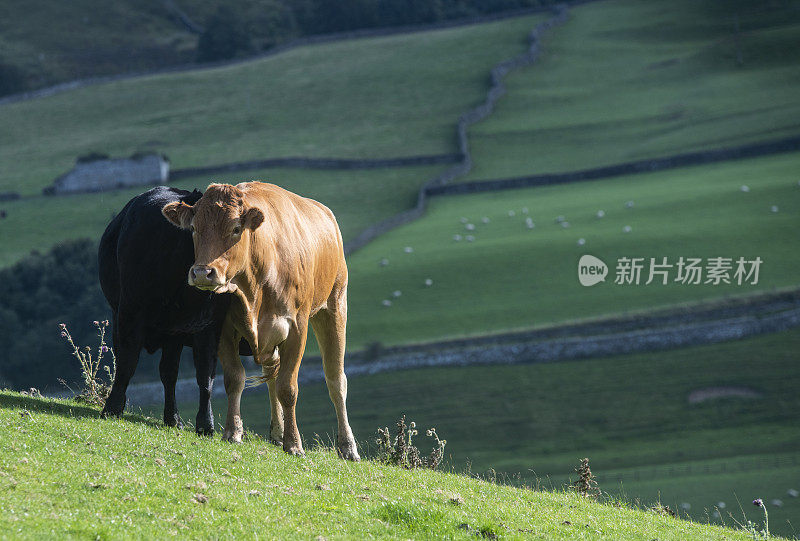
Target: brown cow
282 257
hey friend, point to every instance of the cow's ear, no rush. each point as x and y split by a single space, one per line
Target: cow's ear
252 218
179 214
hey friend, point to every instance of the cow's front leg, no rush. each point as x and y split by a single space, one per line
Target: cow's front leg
234 375
291 352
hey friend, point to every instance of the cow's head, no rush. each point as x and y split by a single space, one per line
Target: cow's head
221 224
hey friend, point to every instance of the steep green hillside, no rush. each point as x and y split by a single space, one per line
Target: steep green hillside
515 277
631 415
625 80
367 98
66 473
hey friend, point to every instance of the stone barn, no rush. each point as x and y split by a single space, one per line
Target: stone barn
103 174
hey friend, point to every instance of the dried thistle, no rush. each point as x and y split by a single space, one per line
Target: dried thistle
586 485
96 390
402 452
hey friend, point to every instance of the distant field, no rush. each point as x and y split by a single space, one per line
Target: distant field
358 198
628 414
625 80
515 277
366 98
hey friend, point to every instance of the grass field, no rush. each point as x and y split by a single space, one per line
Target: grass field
624 80
66 473
359 199
515 277
628 414
366 98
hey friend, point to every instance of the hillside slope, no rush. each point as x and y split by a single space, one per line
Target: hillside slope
364 98
68 474
625 80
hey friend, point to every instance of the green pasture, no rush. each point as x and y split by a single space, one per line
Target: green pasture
629 414
67 474
364 98
514 277
623 80
358 198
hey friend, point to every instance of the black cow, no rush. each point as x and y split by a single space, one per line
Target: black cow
144 261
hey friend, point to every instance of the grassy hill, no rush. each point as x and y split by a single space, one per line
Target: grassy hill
66 473
629 414
515 277
624 81
368 98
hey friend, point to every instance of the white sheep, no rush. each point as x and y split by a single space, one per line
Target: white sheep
511 213
485 219
469 238
457 238
601 214
396 293
408 250
581 241
386 302
470 227
384 262
428 282
627 229
629 205
774 208
745 188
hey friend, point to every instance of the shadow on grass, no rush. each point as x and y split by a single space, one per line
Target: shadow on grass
64 408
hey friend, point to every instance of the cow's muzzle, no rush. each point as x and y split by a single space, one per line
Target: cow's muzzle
205 277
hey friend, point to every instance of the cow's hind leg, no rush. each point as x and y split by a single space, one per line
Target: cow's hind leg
204 352
275 414
234 384
291 352
127 344
329 328
168 369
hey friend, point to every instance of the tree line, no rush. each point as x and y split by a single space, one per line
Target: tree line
251 26
39 293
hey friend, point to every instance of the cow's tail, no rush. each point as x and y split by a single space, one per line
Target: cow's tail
269 370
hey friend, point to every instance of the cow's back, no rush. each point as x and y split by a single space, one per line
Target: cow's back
306 234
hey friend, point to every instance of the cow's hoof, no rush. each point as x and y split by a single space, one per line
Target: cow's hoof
204 431
204 425
110 412
232 438
277 443
295 450
173 421
347 450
